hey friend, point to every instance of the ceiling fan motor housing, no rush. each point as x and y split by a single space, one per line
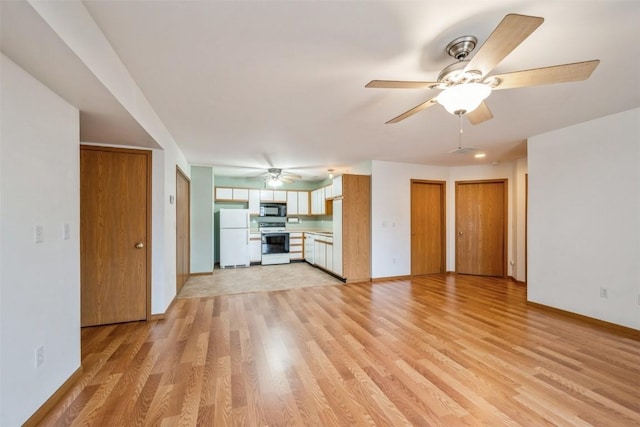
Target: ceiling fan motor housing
461 47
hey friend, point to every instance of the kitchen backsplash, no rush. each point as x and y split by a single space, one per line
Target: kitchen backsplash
305 223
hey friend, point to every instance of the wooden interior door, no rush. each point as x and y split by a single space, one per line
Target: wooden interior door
114 234
428 224
183 240
481 227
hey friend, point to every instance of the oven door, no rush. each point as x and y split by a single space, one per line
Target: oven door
275 243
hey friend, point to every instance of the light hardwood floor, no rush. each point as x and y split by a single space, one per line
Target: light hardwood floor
436 350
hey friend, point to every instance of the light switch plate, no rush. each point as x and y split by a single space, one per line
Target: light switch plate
38 233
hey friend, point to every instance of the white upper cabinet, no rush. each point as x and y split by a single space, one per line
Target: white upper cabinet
266 195
318 202
297 203
292 203
224 193
303 203
328 191
254 202
279 195
241 194
337 186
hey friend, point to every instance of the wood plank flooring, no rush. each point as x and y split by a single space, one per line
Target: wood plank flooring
432 351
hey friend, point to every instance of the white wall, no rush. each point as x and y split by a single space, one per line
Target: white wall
505 170
39 283
75 27
201 219
519 195
584 218
172 157
391 214
391 211
43 169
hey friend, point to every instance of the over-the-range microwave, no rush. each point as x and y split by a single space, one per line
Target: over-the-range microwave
273 209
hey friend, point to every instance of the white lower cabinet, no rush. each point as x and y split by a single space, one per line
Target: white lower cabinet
309 249
255 247
296 245
323 252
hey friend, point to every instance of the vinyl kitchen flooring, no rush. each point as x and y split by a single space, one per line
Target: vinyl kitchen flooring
258 278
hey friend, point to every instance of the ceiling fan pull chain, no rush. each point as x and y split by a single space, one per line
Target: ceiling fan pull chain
460 133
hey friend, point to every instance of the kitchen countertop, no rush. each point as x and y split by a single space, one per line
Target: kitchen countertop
323 232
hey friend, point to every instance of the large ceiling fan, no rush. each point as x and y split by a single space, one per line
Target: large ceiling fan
465 84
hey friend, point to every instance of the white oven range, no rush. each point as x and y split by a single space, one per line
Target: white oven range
275 243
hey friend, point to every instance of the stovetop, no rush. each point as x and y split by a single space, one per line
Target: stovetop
272 227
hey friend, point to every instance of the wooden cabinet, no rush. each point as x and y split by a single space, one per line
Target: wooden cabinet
352 229
296 246
337 237
255 247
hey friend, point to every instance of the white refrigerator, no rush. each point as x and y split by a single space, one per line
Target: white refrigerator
234 238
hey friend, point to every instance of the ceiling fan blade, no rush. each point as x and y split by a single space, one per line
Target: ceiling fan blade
290 176
480 114
399 84
547 75
426 104
509 33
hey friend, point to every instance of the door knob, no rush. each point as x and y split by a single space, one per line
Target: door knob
139 245
459 233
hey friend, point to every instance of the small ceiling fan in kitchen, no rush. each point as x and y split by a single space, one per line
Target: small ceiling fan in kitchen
465 84
275 177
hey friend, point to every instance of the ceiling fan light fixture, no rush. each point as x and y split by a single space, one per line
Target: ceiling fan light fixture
274 182
463 98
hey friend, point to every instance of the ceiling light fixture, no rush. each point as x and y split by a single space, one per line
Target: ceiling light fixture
274 182
330 173
463 98
480 156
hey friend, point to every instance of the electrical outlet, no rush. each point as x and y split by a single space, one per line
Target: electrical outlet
604 293
39 356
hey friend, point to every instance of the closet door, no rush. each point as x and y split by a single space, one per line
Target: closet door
481 227
115 226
